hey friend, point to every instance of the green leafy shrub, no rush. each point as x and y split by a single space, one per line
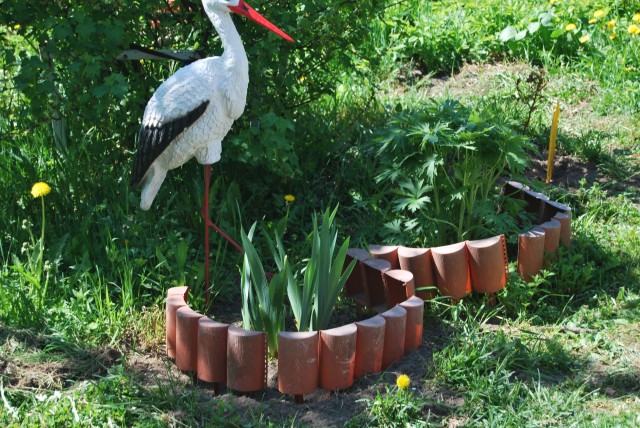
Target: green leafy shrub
445 161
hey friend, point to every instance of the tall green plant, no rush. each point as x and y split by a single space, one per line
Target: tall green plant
445 161
33 272
324 276
262 300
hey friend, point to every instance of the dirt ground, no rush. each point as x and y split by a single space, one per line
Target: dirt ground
320 409
152 370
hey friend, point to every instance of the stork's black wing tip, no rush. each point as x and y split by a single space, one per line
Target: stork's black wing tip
154 139
136 177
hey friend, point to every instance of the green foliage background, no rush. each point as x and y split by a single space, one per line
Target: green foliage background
63 57
59 61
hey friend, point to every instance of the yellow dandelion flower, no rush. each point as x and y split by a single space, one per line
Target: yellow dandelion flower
40 189
16 27
636 17
403 381
592 21
598 14
634 29
613 36
629 69
585 38
289 198
611 24
570 27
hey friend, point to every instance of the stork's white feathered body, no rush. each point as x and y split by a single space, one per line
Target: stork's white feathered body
193 110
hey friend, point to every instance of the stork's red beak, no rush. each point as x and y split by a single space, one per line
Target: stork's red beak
245 10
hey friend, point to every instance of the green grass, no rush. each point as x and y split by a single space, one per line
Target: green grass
561 350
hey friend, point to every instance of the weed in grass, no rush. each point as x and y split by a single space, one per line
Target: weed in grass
395 407
31 276
97 389
479 353
511 379
529 92
521 297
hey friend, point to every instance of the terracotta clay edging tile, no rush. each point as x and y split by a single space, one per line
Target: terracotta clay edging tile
551 208
534 202
394 333
531 253
418 261
452 270
246 359
398 286
298 363
374 294
565 228
488 264
551 236
174 302
337 357
369 345
212 352
386 252
187 339
355 282
415 323
182 290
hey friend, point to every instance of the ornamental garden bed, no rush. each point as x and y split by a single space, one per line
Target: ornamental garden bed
392 281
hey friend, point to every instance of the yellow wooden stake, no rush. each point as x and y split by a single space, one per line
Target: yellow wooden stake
552 143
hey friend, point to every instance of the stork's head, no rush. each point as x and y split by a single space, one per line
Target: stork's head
242 8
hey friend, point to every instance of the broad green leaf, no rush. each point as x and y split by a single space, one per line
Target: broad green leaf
557 33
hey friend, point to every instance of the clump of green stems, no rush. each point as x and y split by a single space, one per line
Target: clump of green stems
324 276
313 301
262 300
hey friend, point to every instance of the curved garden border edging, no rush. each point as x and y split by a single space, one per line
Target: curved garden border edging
554 228
331 359
463 267
387 279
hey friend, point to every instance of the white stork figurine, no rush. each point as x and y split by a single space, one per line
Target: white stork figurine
192 111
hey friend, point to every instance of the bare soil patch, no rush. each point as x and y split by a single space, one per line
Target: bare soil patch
568 172
40 361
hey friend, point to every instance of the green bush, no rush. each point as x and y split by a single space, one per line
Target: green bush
445 161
